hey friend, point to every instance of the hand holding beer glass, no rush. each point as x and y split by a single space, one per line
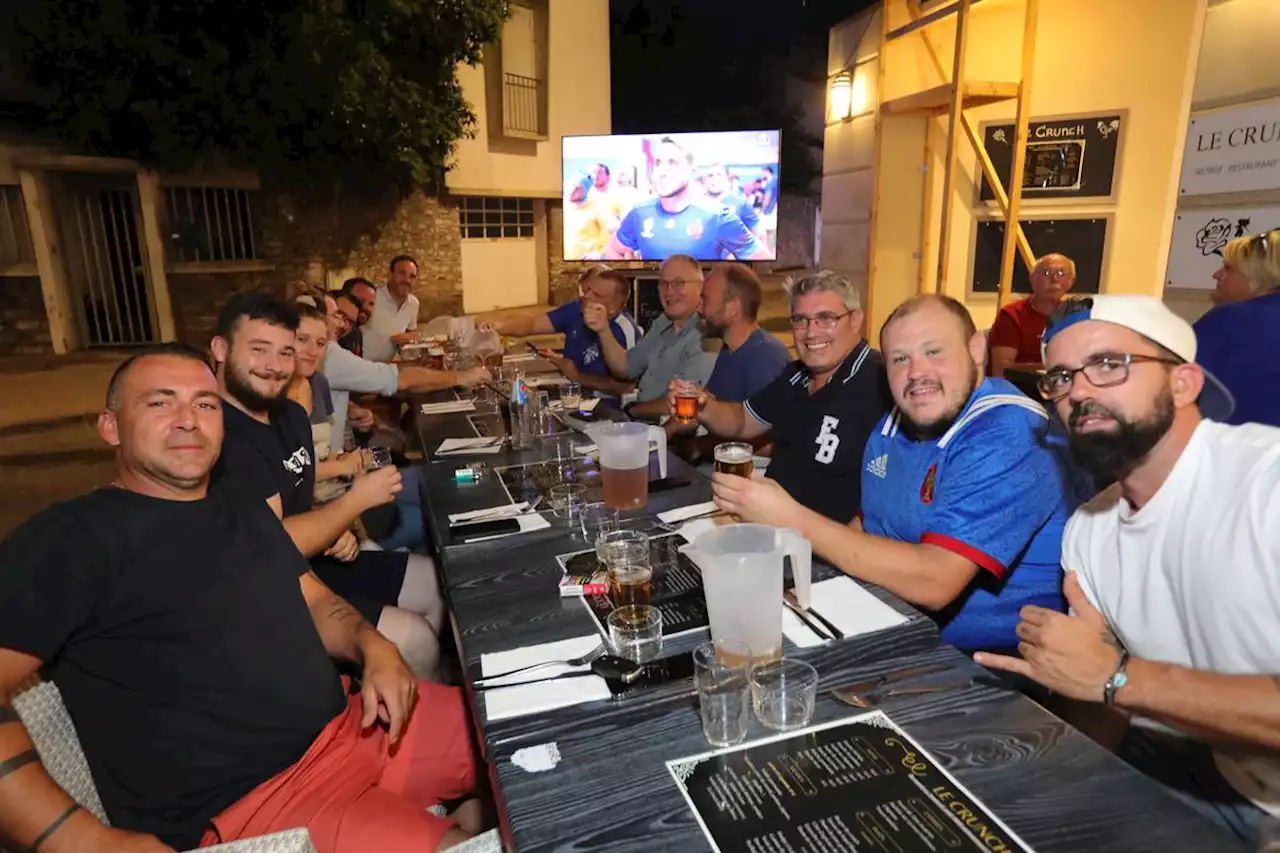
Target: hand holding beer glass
686 400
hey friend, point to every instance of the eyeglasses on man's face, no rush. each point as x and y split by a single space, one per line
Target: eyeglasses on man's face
826 321
1105 370
672 283
1055 273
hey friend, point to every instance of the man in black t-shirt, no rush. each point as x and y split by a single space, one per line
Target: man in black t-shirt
269 451
191 644
821 408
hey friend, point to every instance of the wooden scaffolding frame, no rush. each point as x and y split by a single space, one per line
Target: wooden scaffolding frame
951 98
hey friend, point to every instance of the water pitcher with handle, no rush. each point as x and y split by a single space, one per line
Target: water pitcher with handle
624 461
742 570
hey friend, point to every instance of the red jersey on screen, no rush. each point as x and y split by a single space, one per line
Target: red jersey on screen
1018 326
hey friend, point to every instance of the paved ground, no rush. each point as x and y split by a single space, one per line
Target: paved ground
49 446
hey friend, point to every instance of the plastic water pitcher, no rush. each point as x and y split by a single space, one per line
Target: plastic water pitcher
742 571
625 446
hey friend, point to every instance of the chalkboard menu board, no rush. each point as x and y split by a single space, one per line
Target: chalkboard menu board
646 302
1066 158
1081 240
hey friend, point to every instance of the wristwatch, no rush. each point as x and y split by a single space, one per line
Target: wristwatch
1117 680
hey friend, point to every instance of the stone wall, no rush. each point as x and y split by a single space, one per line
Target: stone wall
197 298
24 326
797 219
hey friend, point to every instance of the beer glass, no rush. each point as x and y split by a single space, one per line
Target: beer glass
687 403
567 500
635 633
720 673
734 457
783 693
570 397
630 586
622 548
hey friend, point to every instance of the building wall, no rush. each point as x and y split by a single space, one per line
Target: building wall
197 298
24 326
578 103
1092 56
1237 65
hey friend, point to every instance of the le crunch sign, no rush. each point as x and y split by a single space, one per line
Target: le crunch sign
1233 150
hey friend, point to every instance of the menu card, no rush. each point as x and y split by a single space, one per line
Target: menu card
857 784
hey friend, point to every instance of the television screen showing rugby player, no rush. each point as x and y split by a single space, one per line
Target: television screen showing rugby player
649 196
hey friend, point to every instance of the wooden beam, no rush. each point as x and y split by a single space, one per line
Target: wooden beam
938 99
924 272
150 203
953 128
869 325
1031 15
921 21
42 223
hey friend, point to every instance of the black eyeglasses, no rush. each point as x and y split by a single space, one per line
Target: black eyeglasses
826 321
1102 371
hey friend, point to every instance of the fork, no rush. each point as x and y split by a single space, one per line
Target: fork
583 660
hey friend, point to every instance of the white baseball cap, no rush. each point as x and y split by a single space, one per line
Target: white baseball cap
1151 318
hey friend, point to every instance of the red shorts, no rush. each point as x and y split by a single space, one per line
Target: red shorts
356 794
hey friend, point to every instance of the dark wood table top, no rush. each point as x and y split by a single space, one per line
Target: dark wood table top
1054 787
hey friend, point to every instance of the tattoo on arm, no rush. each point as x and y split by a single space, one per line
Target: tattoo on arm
344 614
52 828
8 715
18 761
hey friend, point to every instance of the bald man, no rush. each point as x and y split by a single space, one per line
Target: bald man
1014 340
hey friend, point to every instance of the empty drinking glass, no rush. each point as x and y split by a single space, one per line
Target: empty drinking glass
378 457
566 500
570 397
622 548
596 519
635 633
782 692
720 672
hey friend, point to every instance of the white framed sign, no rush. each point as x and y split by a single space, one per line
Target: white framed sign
1195 253
1232 150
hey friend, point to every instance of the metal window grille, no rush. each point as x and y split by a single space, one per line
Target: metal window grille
521 101
15 237
491 218
213 224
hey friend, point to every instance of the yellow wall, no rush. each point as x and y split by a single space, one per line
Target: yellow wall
578 103
498 274
1092 56
1237 65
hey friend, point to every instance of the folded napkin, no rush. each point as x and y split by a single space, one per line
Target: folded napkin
679 514
691 530
519 357
532 698
469 446
444 408
845 604
529 522
492 512
585 405
545 381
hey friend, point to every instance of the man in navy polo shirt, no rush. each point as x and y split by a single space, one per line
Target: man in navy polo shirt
678 222
965 493
820 409
582 361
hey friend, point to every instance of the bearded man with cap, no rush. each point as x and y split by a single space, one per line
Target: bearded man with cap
1173 572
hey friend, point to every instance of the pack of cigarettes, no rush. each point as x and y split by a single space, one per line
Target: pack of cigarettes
572 586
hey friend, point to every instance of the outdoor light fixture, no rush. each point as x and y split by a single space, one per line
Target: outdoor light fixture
848 95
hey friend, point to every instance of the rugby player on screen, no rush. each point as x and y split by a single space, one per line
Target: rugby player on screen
678 222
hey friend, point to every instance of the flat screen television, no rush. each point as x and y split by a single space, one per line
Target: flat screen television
649 196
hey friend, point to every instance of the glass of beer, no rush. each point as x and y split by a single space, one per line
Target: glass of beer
687 403
734 457
631 586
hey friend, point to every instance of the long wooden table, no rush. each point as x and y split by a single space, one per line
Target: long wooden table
611 790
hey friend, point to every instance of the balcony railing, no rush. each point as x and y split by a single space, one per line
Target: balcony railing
522 105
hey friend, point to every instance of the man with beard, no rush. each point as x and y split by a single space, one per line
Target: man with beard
1015 335
192 646
820 409
963 497
1174 570
678 222
364 294
268 450
751 357
717 187
671 349
394 318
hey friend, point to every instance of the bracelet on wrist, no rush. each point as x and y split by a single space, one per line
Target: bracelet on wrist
1118 679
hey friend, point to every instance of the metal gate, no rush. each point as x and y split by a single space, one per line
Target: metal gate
101 229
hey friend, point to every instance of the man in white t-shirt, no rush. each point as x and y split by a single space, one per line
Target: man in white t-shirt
1174 570
394 319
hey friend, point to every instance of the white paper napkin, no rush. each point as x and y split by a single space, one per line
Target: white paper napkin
532 698
492 512
680 513
519 357
469 446
585 405
545 381
445 408
529 522
845 604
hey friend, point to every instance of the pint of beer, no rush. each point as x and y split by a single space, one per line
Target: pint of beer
631 586
687 407
734 457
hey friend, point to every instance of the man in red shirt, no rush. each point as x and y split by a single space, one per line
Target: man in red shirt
1014 339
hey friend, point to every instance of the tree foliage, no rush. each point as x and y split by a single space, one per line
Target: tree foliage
316 93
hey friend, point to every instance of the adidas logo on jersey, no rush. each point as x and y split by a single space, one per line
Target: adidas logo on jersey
879 466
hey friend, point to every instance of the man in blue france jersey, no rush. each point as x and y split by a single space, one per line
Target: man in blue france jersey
769 205
680 223
581 361
718 189
965 491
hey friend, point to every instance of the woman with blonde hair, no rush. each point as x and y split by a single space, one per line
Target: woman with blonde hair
1235 340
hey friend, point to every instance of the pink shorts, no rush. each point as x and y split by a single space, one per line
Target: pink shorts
355 793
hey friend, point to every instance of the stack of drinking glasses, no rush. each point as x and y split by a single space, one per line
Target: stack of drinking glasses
730 683
635 625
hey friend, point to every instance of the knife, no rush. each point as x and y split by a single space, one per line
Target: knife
809 623
836 633
890 677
